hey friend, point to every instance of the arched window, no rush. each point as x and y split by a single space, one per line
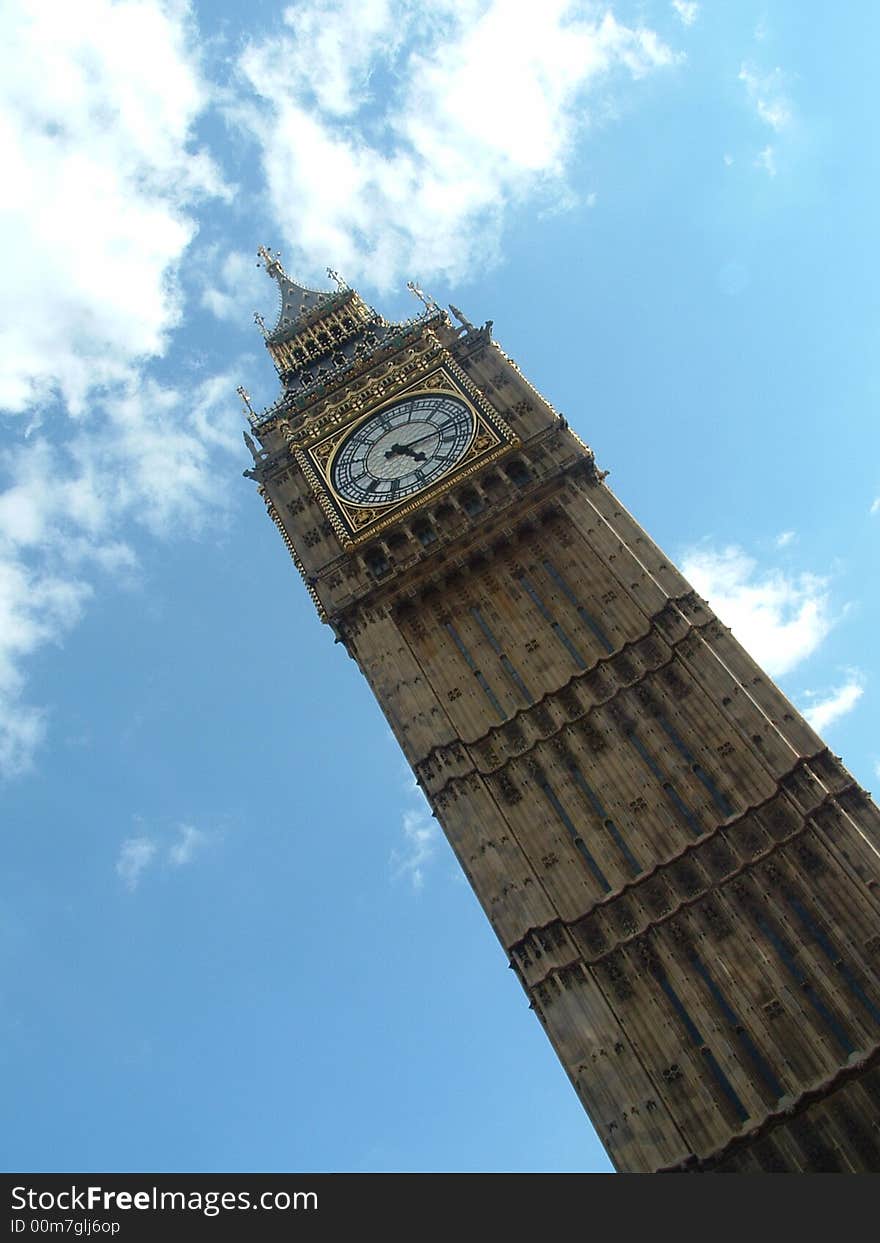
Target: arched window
376 562
424 533
518 473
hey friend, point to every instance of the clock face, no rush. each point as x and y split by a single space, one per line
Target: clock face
403 449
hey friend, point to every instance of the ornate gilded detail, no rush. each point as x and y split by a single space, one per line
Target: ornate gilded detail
323 451
366 391
346 317
363 517
315 452
444 382
350 374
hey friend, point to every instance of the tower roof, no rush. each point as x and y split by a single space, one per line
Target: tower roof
322 335
297 304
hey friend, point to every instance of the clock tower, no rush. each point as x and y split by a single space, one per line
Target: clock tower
684 878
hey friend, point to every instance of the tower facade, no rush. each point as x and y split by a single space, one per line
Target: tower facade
684 878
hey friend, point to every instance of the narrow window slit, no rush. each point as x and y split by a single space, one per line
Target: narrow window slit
613 831
469 660
579 842
505 661
696 1038
719 799
554 625
668 788
582 612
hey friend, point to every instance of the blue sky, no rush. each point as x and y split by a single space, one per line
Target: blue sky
231 937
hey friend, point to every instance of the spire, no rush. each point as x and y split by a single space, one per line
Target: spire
295 300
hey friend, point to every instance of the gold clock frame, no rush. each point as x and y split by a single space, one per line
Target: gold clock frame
492 437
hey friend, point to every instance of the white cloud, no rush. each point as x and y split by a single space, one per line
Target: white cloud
98 105
779 618
767 94
190 841
233 287
158 446
35 609
687 11
766 159
99 101
395 134
148 459
875 506
784 538
22 731
101 180
728 159
823 711
136 854
421 837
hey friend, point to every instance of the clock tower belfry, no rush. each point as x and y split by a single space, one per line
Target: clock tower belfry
684 878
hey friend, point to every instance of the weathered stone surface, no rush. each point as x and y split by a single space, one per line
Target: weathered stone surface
684 878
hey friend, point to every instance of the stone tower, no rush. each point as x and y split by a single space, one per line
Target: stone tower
683 876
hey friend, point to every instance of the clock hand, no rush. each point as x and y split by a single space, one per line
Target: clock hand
419 439
405 450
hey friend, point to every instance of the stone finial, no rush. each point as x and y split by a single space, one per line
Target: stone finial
462 319
254 451
428 302
246 398
272 263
